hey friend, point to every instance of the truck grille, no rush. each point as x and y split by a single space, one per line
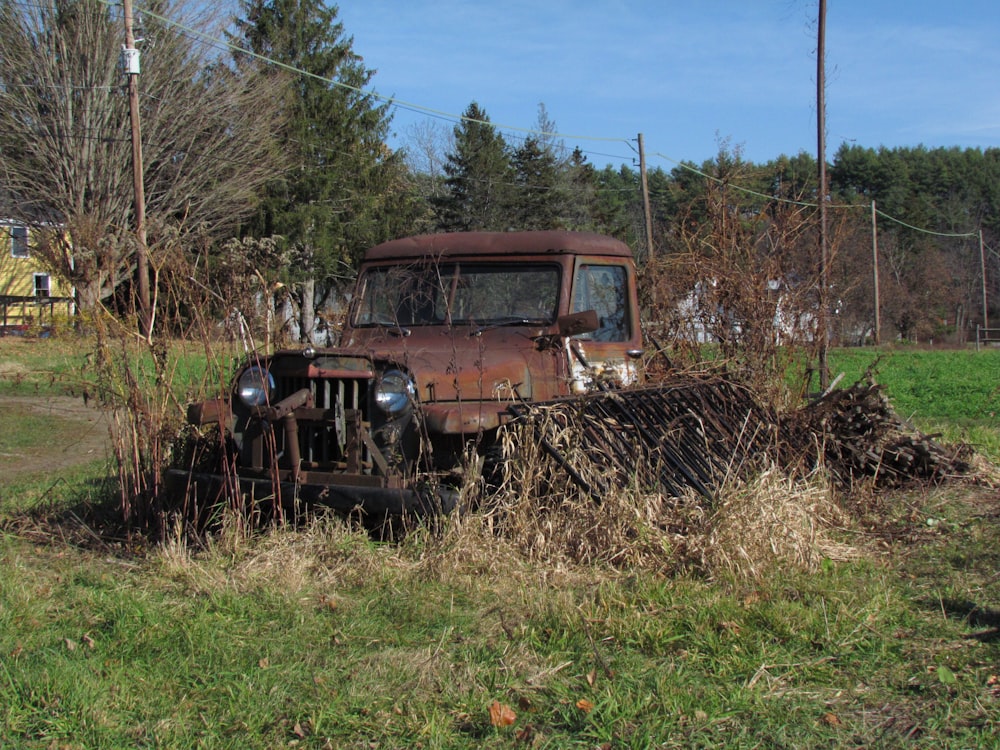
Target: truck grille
324 439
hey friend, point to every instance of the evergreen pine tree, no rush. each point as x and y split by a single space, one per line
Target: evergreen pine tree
345 190
478 178
538 200
580 179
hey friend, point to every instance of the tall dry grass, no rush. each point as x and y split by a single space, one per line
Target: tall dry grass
755 522
769 523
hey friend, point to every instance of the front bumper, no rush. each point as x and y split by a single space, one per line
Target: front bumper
212 489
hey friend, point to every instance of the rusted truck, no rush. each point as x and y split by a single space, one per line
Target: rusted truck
444 333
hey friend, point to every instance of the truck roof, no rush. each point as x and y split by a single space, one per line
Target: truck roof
455 244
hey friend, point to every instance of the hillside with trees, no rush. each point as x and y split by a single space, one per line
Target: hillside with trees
731 222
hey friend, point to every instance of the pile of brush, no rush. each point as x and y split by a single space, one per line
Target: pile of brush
686 433
661 478
696 433
860 436
698 473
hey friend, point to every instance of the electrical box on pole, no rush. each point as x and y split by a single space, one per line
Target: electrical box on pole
130 61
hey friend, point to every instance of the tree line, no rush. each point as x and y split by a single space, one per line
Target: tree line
267 174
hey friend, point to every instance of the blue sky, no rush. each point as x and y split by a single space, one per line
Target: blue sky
689 74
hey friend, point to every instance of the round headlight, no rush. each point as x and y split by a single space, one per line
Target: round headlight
254 386
395 392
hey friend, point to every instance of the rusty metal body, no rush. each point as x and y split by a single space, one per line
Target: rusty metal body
444 334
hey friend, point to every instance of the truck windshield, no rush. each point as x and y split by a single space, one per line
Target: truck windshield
458 293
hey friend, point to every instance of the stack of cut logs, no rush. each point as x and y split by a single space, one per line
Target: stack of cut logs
861 436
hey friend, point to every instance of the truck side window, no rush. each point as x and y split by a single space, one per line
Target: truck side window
604 289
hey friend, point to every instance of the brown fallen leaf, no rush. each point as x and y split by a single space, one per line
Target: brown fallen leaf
88 641
584 705
831 720
70 645
501 715
592 677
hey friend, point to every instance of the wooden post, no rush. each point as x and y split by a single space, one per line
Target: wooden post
645 199
823 322
878 315
982 268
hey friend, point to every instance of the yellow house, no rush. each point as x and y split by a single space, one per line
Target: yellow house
29 294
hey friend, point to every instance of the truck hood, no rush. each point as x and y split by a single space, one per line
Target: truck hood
461 365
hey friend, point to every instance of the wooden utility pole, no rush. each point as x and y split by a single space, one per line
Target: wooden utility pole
878 312
142 251
982 267
823 322
645 199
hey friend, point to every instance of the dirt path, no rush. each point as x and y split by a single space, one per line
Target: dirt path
67 432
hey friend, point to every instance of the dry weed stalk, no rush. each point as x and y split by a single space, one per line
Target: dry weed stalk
144 388
133 378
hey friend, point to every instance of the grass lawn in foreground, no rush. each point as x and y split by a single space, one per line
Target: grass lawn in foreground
321 638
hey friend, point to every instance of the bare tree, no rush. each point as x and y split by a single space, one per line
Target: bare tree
740 275
427 145
65 154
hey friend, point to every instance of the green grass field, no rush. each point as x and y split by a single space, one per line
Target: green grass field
956 385
68 366
955 393
319 637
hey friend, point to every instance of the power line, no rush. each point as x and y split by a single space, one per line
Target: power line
392 100
919 229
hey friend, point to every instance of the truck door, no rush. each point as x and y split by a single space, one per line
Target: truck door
611 353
